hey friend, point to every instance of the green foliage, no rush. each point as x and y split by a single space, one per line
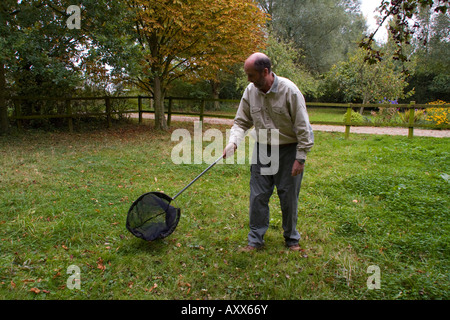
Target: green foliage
385 115
324 30
286 63
285 60
354 117
419 116
43 46
357 80
401 29
431 77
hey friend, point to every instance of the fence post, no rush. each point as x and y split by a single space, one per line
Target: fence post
169 112
18 114
108 111
140 108
202 110
411 121
348 120
69 112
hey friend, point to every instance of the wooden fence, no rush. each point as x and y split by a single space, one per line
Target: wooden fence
108 112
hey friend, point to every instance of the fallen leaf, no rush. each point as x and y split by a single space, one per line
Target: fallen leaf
151 289
28 280
100 264
35 290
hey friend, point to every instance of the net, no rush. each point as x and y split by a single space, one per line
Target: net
152 217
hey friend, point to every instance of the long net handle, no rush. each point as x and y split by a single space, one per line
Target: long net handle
212 165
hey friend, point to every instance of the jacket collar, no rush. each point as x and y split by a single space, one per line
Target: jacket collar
274 87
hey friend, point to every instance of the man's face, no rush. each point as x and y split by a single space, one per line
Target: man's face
257 78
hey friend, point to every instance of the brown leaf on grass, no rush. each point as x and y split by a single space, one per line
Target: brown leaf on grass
151 289
28 280
35 290
100 264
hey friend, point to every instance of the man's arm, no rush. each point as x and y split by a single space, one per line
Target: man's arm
242 123
298 167
301 125
302 129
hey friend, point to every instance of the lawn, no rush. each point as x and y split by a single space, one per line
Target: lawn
326 114
318 114
368 201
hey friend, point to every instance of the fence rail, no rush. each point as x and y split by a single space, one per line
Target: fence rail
108 112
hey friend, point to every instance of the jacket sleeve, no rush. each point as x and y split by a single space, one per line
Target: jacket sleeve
301 124
242 121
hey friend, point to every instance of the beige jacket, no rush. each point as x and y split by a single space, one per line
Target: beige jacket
283 107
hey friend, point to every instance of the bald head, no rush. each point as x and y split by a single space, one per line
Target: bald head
259 61
259 71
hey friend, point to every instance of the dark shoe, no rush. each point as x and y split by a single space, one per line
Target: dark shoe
295 247
248 248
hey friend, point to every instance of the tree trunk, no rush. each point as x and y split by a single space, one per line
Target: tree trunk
4 123
365 101
158 96
215 86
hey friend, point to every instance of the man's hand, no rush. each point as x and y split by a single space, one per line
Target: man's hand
229 150
297 168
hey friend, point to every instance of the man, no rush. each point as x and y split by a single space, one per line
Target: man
276 106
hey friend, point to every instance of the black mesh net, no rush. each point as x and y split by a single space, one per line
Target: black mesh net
152 217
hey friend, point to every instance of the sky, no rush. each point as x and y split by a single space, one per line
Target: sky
369 7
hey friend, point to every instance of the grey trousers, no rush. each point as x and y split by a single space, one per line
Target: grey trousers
261 189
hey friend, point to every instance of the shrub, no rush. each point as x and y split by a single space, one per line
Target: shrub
438 116
419 116
355 117
385 115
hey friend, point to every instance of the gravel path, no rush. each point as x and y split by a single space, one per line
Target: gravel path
316 127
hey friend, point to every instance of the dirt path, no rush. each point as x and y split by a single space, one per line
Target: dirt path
316 127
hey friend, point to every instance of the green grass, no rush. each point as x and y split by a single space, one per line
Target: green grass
315 114
370 200
326 114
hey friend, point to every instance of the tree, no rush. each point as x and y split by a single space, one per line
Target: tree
404 25
286 63
324 30
192 40
431 78
39 54
357 80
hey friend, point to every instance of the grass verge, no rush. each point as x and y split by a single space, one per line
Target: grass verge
368 201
